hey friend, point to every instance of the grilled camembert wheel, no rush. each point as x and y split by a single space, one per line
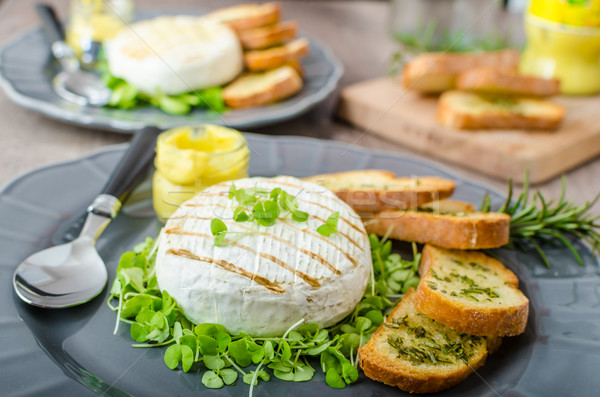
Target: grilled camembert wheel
175 54
264 278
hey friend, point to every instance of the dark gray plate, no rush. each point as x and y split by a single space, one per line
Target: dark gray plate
26 71
55 352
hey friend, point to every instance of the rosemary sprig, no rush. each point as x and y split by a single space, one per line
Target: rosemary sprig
537 221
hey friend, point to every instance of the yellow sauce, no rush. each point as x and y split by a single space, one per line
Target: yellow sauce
563 41
96 21
189 159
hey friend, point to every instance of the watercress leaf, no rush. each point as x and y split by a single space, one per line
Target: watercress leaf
349 343
284 350
349 373
264 375
315 351
269 351
211 380
362 324
288 376
209 329
332 220
309 329
257 354
138 332
229 376
217 226
348 329
208 345
172 356
299 216
329 361
303 373
213 362
177 331
223 341
158 320
145 316
219 240
249 377
135 304
322 336
189 341
239 351
338 355
281 367
115 289
172 105
333 379
232 191
326 230
239 215
134 277
294 336
275 193
187 357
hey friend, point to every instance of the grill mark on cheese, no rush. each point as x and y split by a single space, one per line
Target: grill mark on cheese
313 255
322 238
268 284
308 279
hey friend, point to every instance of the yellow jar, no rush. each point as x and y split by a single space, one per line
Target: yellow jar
93 21
563 42
189 159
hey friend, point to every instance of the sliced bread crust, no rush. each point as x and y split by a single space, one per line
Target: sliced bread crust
471 292
507 81
400 352
436 72
268 36
448 226
261 88
467 110
369 191
257 60
248 16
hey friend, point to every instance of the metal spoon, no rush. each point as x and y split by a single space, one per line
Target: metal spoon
72 83
73 273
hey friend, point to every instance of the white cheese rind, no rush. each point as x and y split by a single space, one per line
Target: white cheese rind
175 54
207 292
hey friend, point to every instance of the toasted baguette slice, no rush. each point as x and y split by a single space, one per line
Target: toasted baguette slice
415 353
507 81
448 224
270 58
375 190
268 36
248 16
466 110
260 88
436 72
471 292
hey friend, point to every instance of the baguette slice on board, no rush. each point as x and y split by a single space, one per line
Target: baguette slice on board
248 16
436 72
382 107
375 190
506 81
446 223
260 88
418 354
471 292
466 110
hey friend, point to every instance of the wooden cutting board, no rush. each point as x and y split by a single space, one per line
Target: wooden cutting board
383 107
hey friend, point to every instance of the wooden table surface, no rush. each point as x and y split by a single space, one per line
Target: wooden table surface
356 31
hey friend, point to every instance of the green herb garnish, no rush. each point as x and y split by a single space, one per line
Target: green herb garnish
156 320
536 222
330 226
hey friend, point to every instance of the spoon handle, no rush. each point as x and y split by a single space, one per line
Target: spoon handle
133 164
53 29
